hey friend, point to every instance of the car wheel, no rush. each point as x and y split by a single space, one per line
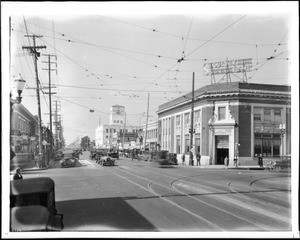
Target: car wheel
277 168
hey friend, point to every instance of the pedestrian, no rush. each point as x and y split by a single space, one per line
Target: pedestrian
132 154
235 160
198 156
18 174
260 160
191 158
226 161
183 159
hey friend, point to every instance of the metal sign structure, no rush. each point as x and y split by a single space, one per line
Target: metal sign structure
228 67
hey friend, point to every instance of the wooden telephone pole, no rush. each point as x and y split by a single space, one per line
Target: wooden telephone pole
50 93
146 127
33 51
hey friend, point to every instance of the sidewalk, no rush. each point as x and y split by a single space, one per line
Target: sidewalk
229 167
51 163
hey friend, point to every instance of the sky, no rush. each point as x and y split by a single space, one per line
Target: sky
116 53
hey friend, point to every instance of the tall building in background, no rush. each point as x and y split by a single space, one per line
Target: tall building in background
117 115
111 135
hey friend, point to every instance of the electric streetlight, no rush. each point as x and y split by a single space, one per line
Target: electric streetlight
19 85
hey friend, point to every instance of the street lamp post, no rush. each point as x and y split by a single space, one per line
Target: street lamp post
19 84
282 131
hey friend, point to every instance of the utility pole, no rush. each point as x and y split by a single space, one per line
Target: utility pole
33 51
50 93
146 129
192 121
124 133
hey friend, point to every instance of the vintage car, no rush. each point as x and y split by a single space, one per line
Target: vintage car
32 205
277 165
113 154
163 157
106 160
58 154
68 160
99 153
146 156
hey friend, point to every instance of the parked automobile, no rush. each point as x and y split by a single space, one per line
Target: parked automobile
106 160
114 154
277 165
98 153
33 206
68 160
58 154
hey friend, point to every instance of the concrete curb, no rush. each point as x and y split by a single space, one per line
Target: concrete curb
35 168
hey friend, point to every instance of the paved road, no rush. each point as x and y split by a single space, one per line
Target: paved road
140 196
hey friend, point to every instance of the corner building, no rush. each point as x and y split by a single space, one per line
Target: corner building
229 118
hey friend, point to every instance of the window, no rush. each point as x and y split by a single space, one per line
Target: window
257 114
267 144
178 144
178 121
186 118
121 121
197 116
221 113
267 115
107 130
277 115
187 143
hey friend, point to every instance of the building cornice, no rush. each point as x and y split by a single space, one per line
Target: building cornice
237 93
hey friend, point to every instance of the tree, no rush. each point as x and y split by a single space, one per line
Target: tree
85 142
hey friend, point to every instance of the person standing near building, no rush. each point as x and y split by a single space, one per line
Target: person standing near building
226 161
260 160
183 158
191 159
198 156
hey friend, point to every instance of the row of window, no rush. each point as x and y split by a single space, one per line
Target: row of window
152 133
268 114
118 121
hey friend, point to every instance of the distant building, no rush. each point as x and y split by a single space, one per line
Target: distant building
117 115
229 118
151 136
111 135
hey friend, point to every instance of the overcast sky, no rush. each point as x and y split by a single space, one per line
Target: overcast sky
116 53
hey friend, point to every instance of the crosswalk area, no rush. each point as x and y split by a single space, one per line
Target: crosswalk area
86 163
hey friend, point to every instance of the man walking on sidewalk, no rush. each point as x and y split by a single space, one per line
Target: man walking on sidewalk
198 156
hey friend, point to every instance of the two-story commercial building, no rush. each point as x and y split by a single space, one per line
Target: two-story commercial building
229 118
24 135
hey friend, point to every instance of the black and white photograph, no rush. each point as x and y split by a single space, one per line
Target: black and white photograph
150 119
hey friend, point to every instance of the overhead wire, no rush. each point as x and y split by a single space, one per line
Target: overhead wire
273 54
219 33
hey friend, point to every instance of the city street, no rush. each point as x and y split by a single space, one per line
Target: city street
140 196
